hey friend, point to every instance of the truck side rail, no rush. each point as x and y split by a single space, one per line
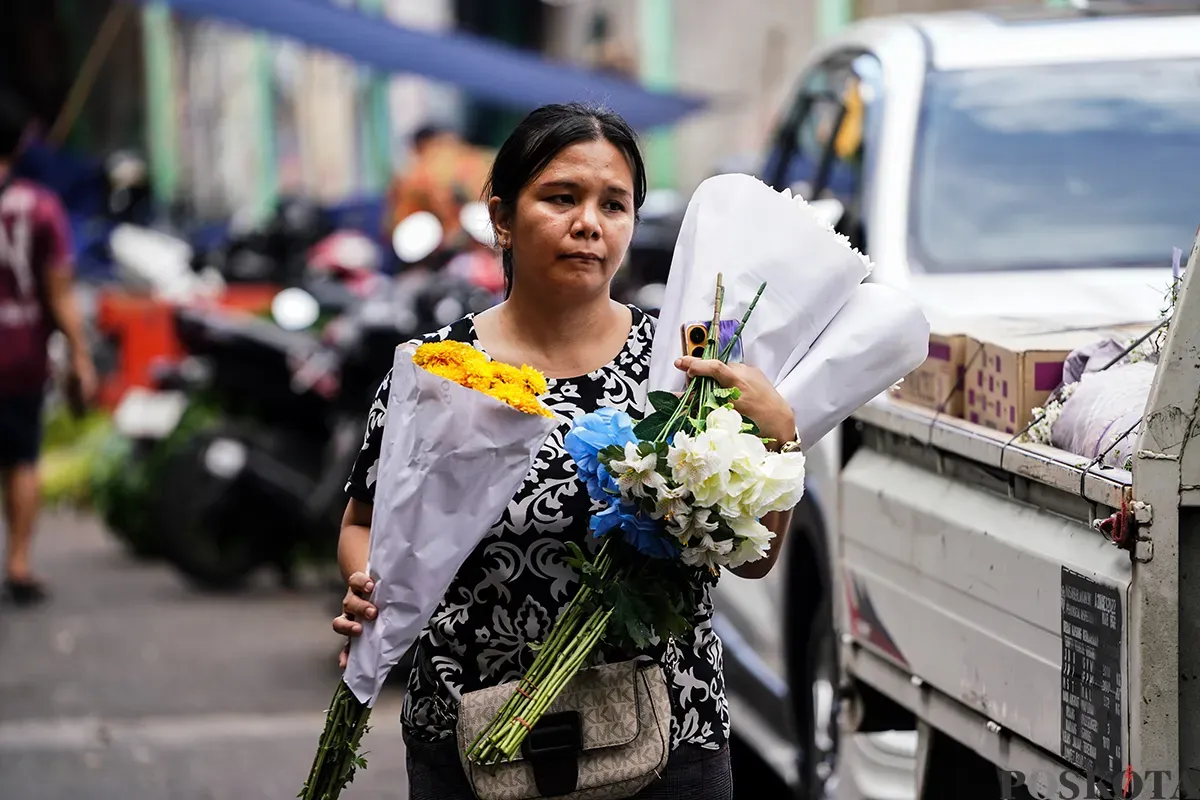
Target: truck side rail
1067 472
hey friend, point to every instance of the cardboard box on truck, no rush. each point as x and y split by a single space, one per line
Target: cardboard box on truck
1008 375
937 382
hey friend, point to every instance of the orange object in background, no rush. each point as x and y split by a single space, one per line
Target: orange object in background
143 330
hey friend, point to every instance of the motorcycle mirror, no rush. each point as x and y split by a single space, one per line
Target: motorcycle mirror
295 309
828 210
477 222
417 236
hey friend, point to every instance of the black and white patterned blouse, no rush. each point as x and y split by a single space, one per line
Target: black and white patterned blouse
514 585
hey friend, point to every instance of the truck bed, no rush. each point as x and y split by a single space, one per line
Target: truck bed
977 590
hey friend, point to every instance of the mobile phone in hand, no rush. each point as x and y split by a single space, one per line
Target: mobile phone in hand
694 337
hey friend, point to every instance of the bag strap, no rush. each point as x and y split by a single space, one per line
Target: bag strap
552 750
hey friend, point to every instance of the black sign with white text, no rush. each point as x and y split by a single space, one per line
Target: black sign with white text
1091 675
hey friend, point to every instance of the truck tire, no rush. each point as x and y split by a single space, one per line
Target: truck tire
819 756
948 770
812 648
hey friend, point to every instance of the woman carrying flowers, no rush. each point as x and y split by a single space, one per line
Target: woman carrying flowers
565 191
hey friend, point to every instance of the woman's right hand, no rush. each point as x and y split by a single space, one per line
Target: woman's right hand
355 606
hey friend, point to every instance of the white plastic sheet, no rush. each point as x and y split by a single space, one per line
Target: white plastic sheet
828 341
738 226
451 460
1103 412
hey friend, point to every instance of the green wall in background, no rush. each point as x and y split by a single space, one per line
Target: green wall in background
268 172
833 15
163 129
376 127
658 72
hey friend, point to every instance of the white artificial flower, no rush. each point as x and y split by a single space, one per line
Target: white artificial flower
698 523
708 552
782 483
723 420
746 476
694 460
636 473
713 489
752 542
672 503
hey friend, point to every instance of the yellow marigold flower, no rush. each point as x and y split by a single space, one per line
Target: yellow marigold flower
451 372
534 380
448 353
463 364
519 398
506 373
480 377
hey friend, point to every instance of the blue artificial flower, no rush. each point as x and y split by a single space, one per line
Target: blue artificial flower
607 483
645 534
603 522
590 434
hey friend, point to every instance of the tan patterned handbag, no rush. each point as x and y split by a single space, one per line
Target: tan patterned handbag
607 736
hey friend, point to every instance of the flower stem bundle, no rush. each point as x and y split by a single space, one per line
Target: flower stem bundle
337 756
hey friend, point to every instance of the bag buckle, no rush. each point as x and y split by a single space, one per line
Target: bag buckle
552 748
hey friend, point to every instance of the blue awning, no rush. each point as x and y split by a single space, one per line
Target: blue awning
486 69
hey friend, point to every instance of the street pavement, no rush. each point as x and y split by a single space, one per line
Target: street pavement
129 685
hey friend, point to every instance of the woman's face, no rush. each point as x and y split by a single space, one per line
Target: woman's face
573 222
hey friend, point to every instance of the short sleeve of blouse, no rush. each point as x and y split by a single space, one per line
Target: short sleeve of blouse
361 484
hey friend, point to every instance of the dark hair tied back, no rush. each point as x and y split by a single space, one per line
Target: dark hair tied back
543 135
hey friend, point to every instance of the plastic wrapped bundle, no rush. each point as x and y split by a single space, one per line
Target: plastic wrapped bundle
1103 412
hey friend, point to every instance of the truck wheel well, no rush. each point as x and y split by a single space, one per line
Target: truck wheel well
809 592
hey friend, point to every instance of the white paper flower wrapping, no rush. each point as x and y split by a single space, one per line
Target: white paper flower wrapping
828 342
877 338
451 460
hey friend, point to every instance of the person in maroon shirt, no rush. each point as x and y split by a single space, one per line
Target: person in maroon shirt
36 276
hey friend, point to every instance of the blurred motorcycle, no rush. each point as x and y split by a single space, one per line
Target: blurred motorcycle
260 481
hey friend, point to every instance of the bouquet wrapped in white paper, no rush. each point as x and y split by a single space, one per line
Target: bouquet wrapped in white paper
431 510
828 341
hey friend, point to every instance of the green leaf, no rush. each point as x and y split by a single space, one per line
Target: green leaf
639 633
732 393
576 558
652 426
611 453
665 402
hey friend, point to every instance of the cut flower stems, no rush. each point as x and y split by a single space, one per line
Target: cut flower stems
337 754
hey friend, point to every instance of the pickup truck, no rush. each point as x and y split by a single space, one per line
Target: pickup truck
1022 608
995 164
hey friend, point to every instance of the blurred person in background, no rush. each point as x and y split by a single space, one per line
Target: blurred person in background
36 277
444 174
